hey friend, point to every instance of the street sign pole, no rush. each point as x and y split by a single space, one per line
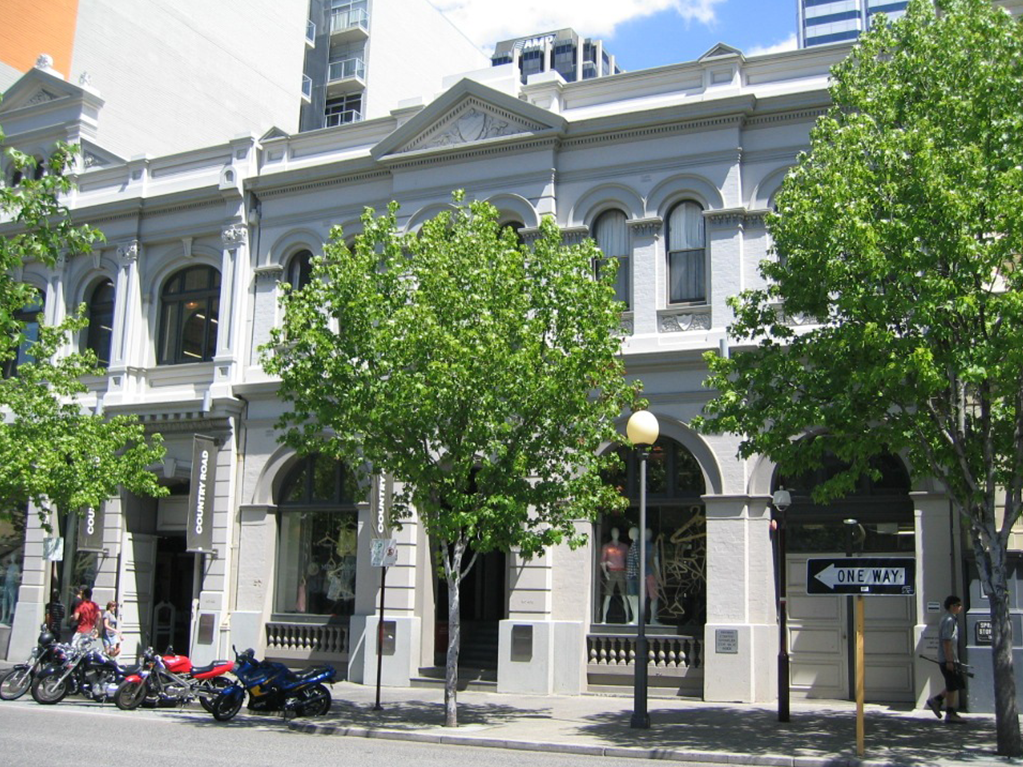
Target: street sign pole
860 679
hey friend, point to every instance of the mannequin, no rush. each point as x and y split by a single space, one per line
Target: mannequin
653 576
632 574
612 565
12 577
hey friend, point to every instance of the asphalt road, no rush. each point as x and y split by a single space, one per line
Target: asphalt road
77 733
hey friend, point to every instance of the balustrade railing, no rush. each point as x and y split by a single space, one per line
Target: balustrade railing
306 641
668 656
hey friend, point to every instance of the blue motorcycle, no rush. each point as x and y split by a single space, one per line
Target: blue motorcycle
273 687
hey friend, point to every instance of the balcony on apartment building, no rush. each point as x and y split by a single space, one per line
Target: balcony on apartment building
346 76
348 25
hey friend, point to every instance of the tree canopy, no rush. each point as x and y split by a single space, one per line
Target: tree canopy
483 374
54 453
892 317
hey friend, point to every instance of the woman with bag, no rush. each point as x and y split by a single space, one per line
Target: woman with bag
111 631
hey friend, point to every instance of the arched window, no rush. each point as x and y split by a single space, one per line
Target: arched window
190 304
30 316
676 544
101 321
687 281
612 237
300 269
316 551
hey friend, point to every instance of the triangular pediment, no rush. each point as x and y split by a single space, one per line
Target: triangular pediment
721 51
468 113
36 87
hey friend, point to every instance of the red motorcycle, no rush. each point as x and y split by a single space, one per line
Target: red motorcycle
169 680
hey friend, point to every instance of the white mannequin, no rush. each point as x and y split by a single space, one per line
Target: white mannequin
612 565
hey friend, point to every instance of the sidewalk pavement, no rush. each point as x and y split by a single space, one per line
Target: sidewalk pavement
819 733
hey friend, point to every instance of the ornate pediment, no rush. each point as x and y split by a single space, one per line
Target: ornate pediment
473 120
468 113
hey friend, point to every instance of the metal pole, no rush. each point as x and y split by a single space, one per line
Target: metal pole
640 716
783 633
380 635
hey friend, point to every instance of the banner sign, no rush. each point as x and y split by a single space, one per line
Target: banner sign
199 534
90 530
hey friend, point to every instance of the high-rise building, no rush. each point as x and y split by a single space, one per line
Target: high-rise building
836 21
563 51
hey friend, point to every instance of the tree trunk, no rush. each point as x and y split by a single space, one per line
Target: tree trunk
453 572
1007 729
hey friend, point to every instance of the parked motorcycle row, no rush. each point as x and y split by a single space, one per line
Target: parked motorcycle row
55 670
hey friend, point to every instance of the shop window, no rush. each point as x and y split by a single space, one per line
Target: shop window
12 555
101 322
677 543
687 255
316 552
189 309
30 318
612 237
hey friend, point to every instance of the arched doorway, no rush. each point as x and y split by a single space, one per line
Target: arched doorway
876 519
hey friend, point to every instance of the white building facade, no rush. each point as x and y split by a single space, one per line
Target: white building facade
670 170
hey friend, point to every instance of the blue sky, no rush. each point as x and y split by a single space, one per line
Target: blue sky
640 33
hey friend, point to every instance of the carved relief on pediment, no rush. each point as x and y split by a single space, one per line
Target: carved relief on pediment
472 121
41 97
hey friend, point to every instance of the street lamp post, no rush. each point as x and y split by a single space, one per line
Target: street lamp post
782 500
642 431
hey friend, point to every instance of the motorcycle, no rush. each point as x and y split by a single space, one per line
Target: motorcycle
16 681
273 687
169 679
79 669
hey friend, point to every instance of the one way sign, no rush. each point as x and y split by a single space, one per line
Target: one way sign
862 575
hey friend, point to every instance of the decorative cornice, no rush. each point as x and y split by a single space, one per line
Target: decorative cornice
573 235
646 227
630 134
312 186
271 273
545 142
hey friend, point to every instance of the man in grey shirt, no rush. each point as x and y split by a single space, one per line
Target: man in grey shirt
948 661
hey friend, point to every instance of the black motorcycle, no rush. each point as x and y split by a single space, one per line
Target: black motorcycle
77 669
273 687
16 682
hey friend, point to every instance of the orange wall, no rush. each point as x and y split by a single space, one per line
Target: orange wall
31 27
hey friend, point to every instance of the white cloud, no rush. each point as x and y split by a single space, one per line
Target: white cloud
487 22
788 44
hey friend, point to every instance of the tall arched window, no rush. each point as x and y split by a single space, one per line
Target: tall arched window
611 234
189 307
687 255
300 269
101 321
676 543
316 551
30 316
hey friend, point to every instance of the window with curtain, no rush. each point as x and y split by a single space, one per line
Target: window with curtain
611 234
30 316
687 254
189 309
316 551
99 335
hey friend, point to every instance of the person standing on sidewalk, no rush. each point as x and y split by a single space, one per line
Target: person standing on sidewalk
948 661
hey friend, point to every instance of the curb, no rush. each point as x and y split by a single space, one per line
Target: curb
702 757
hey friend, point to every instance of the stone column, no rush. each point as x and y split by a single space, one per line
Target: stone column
126 352
741 634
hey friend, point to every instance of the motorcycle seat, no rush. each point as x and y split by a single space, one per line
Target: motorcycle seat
196 670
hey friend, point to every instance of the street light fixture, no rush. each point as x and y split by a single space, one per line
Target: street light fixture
782 499
642 431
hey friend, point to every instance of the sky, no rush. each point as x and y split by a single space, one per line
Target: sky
640 33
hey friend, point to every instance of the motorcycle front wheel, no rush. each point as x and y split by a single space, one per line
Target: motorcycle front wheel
49 689
315 701
227 703
129 695
15 682
207 697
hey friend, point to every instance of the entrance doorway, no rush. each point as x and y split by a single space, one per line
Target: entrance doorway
173 593
483 604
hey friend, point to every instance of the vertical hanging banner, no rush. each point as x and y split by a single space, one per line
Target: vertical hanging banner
90 530
199 534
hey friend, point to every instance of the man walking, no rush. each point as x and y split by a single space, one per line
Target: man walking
948 661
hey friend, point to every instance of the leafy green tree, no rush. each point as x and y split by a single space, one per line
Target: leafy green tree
54 453
893 317
482 374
